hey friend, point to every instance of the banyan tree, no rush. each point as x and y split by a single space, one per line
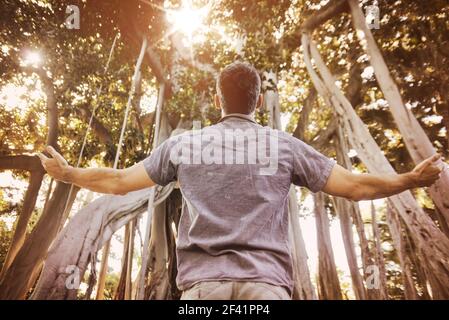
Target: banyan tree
320 52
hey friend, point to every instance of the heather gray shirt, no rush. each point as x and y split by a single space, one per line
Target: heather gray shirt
234 221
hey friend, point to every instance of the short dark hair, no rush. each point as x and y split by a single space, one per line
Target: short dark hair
238 87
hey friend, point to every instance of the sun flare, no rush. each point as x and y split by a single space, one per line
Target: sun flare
32 58
187 19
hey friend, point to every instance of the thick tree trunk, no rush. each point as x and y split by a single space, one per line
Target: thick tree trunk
418 144
161 252
420 270
383 295
365 250
18 278
129 257
31 164
103 270
124 287
162 264
120 290
431 243
29 202
142 278
328 283
174 203
303 288
158 280
343 210
399 244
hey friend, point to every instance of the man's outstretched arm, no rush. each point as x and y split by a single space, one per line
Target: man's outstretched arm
103 180
344 183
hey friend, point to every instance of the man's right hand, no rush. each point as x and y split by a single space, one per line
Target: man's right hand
57 167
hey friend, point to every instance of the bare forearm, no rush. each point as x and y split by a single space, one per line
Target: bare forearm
343 183
103 180
381 186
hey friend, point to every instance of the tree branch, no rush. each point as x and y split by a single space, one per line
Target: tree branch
100 130
304 116
154 61
20 162
333 8
354 85
324 136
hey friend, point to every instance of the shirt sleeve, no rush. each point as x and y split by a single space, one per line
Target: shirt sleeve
311 169
159 165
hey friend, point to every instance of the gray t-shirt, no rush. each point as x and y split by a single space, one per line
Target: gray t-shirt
235 177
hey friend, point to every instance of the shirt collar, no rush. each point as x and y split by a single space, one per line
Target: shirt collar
239 115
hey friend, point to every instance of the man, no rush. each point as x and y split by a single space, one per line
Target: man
232 238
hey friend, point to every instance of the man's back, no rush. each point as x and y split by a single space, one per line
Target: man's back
235 178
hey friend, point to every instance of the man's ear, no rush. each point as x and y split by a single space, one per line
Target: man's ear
259 102
217 102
